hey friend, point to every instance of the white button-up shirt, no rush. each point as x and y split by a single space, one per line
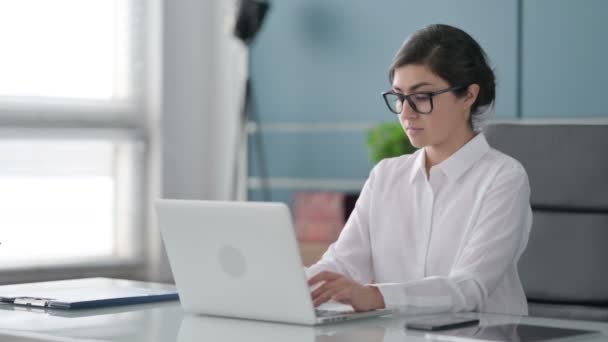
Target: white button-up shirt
449 242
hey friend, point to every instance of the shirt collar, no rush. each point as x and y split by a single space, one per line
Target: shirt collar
458 163
462 160
418 169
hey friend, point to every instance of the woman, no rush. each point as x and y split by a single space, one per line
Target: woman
441 229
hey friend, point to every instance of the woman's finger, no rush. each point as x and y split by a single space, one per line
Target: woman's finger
321 289
325 296
339 282
323 276
343 296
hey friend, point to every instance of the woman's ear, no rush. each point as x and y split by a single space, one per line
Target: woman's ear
471 96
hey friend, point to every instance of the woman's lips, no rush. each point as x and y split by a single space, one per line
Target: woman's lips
414 130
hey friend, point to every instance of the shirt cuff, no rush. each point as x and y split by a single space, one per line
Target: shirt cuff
396 297
392 295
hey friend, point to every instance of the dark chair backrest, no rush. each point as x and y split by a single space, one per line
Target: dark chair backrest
566 261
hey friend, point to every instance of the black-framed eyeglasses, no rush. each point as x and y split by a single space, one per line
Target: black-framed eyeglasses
421 102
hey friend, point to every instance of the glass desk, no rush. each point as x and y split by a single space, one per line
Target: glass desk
167 322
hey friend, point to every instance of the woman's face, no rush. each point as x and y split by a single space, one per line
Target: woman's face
449 117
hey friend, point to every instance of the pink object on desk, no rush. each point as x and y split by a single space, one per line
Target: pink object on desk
319 216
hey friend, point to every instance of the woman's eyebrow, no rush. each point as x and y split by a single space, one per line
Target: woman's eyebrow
412 88
421 84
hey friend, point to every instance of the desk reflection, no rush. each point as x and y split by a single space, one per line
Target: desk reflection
522 333
507 333
205 328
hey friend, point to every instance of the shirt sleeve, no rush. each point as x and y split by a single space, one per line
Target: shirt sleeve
494 245
350 255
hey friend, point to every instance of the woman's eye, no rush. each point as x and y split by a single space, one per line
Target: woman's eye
421 97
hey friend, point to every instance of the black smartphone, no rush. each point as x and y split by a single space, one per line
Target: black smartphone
440 323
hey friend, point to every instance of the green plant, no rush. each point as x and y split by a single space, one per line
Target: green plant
387 140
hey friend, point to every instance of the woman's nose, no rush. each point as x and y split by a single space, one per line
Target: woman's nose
407 112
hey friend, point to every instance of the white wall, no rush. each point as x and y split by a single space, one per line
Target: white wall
203 69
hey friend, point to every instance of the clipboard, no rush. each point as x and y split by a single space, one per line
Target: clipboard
86 293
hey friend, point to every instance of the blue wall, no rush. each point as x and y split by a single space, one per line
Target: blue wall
564 71
318 68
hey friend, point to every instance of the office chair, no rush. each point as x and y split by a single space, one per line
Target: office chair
564 269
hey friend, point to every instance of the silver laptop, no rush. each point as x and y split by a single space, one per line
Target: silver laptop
240 259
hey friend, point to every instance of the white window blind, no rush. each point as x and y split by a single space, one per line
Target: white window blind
72 131
58 200
73 49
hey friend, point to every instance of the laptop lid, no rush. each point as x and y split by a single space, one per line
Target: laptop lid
236 259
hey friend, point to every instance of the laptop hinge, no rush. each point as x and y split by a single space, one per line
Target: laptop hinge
30 301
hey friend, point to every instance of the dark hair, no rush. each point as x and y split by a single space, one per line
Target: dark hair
453 55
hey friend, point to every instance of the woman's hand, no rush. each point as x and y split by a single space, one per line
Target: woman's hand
342 289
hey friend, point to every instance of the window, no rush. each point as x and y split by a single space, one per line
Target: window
70 49
72 131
